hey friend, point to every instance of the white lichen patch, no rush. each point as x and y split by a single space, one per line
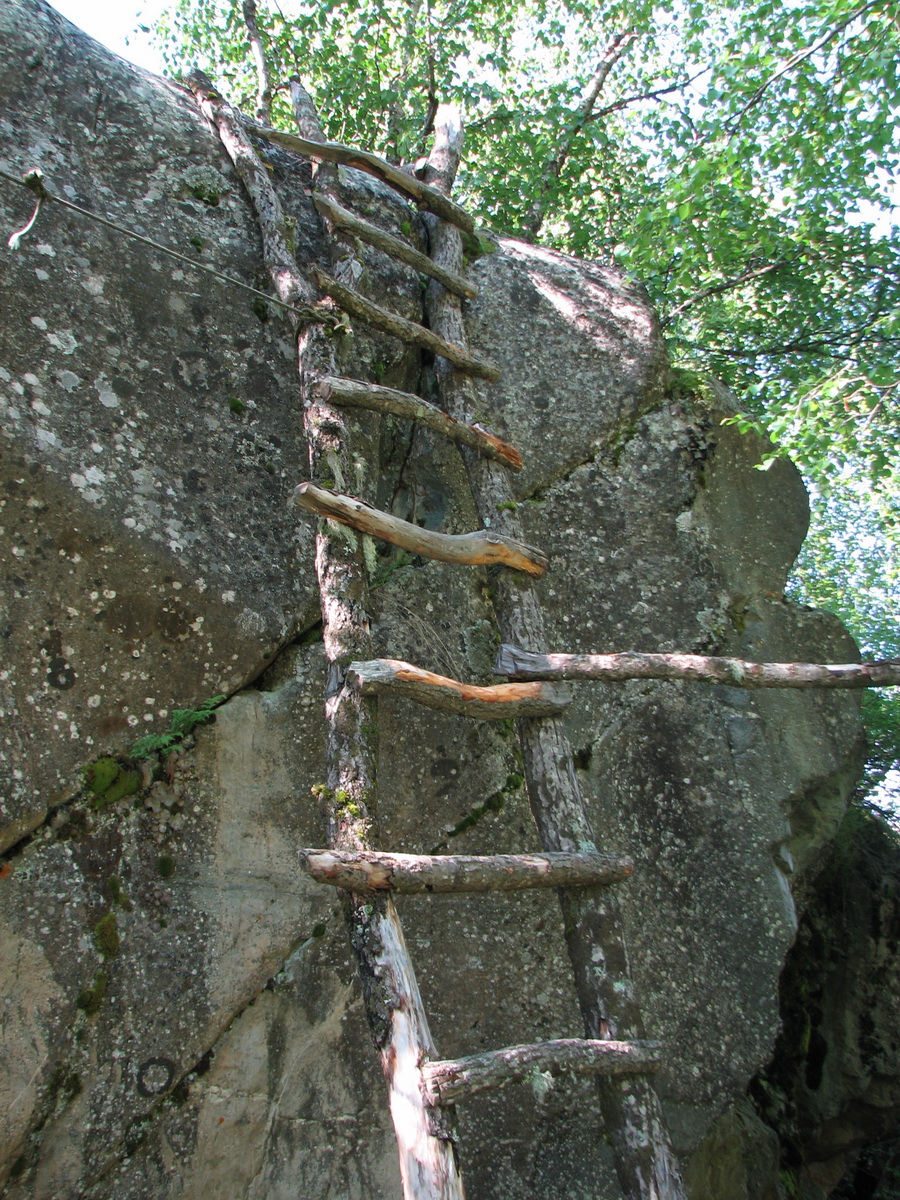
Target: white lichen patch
68 380
107 396
64 341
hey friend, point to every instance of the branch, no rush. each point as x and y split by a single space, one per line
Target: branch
413 874
469 549
736 672
636 99
500 702
552 170
796 59
727 285
264 93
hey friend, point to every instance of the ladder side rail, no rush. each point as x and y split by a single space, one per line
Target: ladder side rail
394 1008
592 917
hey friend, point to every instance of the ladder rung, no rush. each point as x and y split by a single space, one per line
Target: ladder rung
346 156
736 672
452 1079
467 549
373 870
355 393
496 703
400 327
382 240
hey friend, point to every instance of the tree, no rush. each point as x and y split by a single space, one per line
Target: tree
737 156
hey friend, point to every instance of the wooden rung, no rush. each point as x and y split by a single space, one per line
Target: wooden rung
346 156
453 1079
354 393
342 218
495 703
399 327
737 672
410 874
468 549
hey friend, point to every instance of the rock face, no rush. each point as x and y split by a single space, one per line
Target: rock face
182 1018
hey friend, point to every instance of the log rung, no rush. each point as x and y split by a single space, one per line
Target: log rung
400 327
497 703
735 672
449 1080
348 156
342 218
411 874
466 549
355 393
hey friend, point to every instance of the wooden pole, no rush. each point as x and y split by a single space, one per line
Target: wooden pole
394 1007
466 549
354 393
736 672
456 1079
592 919
412 874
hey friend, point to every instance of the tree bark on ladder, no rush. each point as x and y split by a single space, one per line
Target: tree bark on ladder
394 1008
631 1111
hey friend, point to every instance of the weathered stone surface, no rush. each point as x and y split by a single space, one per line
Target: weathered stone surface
587 350
221 1049
150 417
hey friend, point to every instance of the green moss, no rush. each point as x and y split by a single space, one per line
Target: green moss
117 893
90 1000
507 506
738 613
106 936
406 227
378 370
478 244
165 866
260 309
206 193
619 443
106 780
237 406
197 243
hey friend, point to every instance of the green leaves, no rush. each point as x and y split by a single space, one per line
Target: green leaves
182 722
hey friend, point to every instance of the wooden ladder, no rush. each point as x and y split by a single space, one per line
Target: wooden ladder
422 1087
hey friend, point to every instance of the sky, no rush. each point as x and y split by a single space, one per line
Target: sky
114 23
